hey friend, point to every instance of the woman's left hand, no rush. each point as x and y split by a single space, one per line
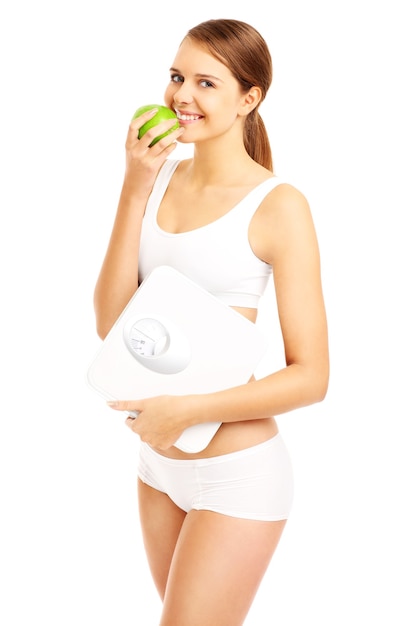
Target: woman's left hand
160 420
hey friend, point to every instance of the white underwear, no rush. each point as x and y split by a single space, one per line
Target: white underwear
255 483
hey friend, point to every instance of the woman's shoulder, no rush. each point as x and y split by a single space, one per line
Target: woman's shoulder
283 212
281 223
284 197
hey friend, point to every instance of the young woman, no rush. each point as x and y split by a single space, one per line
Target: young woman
211 521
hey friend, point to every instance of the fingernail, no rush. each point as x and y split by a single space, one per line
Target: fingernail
112 403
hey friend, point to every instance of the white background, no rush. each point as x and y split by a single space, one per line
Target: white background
342 121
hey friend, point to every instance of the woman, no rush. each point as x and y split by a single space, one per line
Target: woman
211 521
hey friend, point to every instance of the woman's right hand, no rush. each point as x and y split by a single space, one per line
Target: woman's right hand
143 161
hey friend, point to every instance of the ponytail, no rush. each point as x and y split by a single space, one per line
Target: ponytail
256 140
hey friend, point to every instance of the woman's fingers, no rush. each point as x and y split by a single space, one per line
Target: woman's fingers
151 134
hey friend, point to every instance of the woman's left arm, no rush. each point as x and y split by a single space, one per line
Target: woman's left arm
283 234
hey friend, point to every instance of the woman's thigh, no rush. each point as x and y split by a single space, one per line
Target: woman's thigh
161 522
217 566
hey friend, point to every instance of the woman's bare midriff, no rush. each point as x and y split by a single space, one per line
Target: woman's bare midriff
232 436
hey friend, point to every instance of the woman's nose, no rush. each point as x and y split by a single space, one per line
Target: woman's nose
183 94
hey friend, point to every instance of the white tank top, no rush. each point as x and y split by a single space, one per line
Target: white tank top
217 256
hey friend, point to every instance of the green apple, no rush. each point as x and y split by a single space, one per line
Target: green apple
164 113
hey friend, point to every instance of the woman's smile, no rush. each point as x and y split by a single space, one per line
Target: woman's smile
185 116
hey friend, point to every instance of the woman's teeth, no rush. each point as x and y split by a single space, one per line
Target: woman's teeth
188 118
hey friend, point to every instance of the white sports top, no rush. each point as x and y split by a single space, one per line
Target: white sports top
218 256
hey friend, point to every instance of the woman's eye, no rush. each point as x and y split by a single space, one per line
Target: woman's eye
176 78
206 83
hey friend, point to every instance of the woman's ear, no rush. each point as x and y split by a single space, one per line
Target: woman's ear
250 100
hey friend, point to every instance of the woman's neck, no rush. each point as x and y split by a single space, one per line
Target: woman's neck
217 165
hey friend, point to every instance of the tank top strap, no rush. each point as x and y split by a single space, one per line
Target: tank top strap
259 193
160 186
247 207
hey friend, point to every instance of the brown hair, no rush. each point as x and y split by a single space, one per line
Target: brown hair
244 51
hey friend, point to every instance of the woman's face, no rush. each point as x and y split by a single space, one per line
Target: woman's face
205 95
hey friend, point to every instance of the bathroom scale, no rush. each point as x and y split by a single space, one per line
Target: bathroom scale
176 338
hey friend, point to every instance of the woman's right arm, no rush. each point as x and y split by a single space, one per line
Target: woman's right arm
118 278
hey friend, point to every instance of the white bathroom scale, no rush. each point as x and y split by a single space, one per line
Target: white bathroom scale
176 338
